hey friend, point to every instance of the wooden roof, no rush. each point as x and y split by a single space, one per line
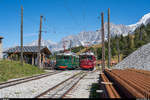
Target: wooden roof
28 49
1 37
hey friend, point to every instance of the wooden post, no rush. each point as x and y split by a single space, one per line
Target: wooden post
103 45
109 49
32 59
118 49
39 43
43 59
21 35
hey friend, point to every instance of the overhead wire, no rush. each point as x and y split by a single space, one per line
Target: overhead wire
84 15
70 12
47 26
98 23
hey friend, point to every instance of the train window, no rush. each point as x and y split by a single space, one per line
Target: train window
86 57
89 57
66 57
83 57
59 57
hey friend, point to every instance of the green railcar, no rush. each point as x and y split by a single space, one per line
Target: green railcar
67 61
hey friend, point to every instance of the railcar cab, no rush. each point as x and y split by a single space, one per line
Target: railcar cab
87 60
67 60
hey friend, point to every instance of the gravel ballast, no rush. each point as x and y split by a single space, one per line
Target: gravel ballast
35 87
140 59
82 89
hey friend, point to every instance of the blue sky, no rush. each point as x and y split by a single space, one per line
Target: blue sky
63 17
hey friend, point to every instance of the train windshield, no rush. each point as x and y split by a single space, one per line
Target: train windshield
66 57
59 57
86 57
62 57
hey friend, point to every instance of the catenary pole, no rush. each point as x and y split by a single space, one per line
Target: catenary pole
109 36
118 49
39 43
103 45
22 35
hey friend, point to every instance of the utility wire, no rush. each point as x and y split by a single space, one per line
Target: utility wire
84 15
70 13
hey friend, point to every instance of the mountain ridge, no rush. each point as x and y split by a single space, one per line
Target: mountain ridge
93 37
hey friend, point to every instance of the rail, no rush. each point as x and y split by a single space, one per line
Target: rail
60 90
130 83
26 79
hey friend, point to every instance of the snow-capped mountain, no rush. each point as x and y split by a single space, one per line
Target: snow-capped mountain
43 43
143 21
94 37
50 44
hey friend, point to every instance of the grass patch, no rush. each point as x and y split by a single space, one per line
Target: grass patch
13 69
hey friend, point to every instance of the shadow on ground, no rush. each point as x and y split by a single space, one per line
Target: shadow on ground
93 93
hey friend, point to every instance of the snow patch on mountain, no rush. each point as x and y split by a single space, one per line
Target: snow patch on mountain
93 37
43 43
143 21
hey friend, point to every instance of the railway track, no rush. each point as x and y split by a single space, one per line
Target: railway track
23 80
130 84
62 89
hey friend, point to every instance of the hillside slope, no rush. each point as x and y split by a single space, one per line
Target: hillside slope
13 69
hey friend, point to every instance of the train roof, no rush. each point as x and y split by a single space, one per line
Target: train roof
87 53
68 54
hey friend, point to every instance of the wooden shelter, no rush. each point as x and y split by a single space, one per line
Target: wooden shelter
29 53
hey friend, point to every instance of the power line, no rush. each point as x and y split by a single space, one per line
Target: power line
70 13
84 14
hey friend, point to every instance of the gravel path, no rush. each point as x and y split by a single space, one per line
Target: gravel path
35 87
82 89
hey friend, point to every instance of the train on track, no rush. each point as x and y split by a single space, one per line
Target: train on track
87 60
69 60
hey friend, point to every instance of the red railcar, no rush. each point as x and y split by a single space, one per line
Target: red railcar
87 60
